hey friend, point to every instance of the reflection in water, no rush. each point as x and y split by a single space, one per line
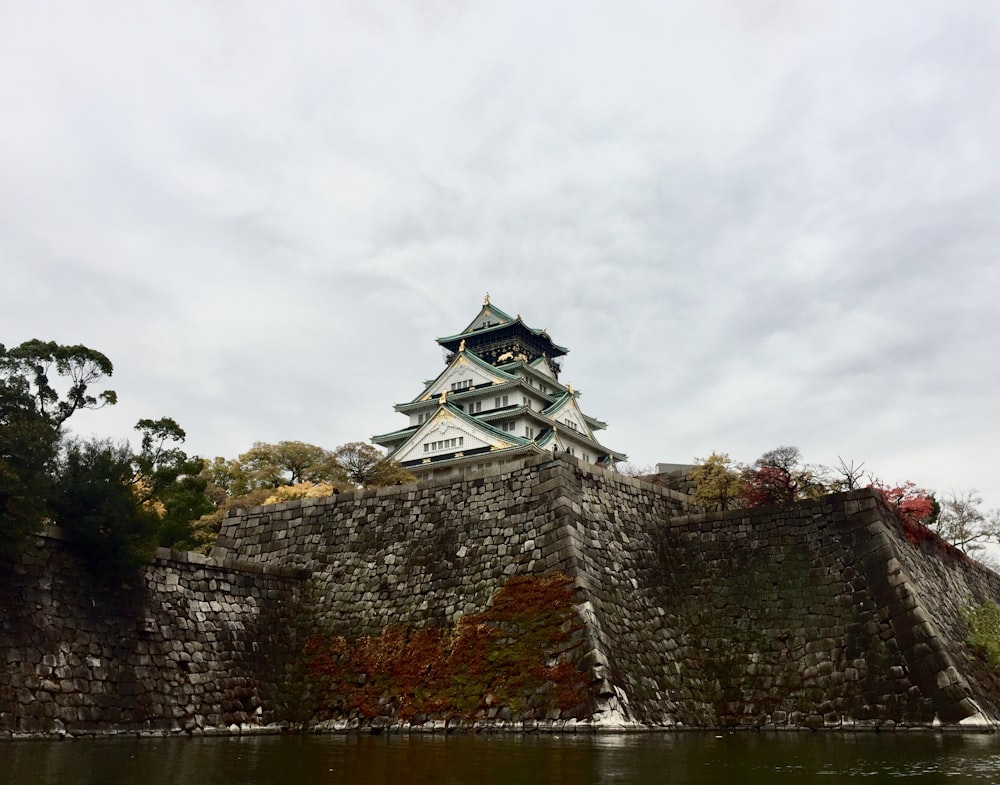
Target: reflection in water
688 758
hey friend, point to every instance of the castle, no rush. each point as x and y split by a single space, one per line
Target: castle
826 613
499 397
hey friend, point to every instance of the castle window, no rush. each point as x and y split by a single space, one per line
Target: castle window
444 444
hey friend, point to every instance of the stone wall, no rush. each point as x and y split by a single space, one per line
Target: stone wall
801 615
825 613
816 614
187 644
428 553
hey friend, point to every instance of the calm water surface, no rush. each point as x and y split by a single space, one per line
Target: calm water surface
665 759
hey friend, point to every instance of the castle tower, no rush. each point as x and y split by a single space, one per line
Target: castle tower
498 397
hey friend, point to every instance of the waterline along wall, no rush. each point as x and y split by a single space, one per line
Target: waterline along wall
819 614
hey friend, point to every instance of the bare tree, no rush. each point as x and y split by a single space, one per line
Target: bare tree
848 476
962 523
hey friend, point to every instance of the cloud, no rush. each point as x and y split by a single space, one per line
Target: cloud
752 224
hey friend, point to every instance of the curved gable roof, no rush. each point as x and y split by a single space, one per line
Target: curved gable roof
465 355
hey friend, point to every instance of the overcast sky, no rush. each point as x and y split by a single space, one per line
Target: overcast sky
753 223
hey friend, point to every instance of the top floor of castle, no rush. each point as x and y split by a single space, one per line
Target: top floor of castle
499 396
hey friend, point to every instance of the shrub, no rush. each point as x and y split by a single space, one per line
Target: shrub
984 630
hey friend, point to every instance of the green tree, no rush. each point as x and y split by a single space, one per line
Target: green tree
165 478
28 448
30 366
224 479
32 413
367 467
718 484
96 501
184 502
119 504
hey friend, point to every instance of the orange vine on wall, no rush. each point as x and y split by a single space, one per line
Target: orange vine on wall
515 660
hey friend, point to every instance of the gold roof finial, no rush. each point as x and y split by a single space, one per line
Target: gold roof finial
461 346
486 300
570 388
444 397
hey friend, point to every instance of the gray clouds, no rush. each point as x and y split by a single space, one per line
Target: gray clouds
753 224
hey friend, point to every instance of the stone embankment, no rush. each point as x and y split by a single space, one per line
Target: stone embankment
820 614
189 644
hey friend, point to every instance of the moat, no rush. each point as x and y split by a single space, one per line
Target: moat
687 758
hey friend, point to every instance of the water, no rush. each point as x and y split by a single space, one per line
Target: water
665 759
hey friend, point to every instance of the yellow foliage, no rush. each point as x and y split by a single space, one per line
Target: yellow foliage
140 489
302 490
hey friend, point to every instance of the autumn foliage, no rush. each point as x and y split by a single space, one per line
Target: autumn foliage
914 507
764 485
514 660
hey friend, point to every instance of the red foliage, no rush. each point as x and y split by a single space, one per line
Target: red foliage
516 654
765 485
911 504
914 508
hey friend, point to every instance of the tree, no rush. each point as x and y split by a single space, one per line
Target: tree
29 365
779 477
28 448
165 478
285 463
120 504
261 474
32 414
771 479
848 476
367 467
718 484
224 479
962 523
96 501
913 505
184 503
269 473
